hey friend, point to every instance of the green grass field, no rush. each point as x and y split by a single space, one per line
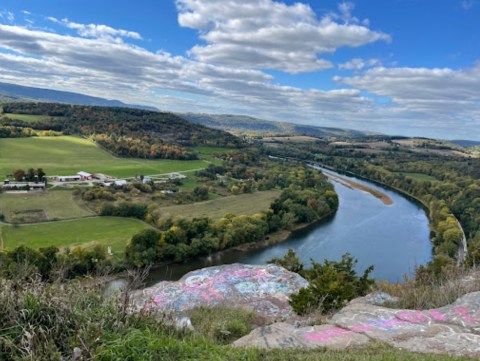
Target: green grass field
41 206
212 150
28 117
419 176
248 204
108 231
67 155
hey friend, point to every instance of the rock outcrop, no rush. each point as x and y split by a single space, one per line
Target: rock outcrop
453 329
262 289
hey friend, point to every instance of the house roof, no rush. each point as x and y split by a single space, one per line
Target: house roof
84 174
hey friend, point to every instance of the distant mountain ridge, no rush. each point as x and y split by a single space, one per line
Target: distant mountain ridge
11 92
242 125
235 124
465 143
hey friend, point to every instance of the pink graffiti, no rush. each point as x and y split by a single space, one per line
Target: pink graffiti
463 312
404 318
436 315
362 328
413 317
326 335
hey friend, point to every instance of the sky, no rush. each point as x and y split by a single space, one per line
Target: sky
400 67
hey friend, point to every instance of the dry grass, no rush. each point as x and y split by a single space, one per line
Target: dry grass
435 291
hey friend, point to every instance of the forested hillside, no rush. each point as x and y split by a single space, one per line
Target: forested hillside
125 132
245 125
446 181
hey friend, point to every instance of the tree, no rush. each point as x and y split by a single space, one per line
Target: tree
30 176
290 261
19 174
40 174
201 193
331 284
143 248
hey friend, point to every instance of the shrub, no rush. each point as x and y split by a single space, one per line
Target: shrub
331 284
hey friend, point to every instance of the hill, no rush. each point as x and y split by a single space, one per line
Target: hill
12 92
465 143
235 124
125 132
242 125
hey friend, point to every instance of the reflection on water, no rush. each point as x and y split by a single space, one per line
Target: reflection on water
394 238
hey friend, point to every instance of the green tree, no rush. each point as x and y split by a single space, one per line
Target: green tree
144 248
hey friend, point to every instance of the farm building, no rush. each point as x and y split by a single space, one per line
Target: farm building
68 178
23 185
85 175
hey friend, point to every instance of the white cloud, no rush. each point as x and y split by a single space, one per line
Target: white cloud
266 34
358 63
97 30
8 16
104 67
445 101
414 101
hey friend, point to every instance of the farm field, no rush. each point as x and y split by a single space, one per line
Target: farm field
41 206
28 117
67 155
247 204
108 231
212 150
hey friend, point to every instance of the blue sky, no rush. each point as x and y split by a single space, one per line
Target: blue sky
406 67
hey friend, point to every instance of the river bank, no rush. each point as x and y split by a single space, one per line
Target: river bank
354 185
462 251
394 238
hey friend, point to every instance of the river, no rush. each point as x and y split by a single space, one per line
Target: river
394 238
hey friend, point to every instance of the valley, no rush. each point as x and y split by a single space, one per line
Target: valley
87 195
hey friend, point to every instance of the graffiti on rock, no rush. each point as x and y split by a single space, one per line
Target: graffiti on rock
264 287
399 322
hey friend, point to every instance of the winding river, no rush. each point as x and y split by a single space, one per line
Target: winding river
393 237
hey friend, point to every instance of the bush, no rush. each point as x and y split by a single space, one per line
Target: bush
144 248
331 284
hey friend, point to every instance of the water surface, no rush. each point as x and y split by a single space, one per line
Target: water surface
394 238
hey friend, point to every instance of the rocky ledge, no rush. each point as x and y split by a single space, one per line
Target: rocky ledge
262 289
453 329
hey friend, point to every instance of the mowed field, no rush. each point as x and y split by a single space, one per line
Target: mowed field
41 206
68 155
29 117
109 231
247 204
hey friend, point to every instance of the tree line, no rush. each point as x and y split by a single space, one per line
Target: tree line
125 132
452 192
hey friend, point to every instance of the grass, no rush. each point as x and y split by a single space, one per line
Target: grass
434 291
28 117
67 155
222 323
60 317
212 150
419 176
50 205
247 204
108 231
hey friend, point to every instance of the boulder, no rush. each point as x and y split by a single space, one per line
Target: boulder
453 329
284 335
264 289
